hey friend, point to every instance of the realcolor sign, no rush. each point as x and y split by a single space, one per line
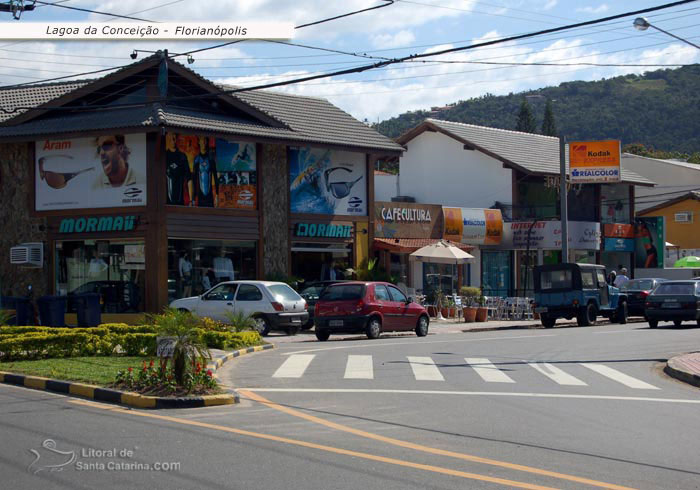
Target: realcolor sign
101 224
594 161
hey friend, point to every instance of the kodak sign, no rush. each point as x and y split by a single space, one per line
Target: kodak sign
593 162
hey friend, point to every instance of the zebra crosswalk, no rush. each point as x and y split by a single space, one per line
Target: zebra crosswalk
362 367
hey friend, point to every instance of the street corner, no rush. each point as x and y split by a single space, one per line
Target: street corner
685 368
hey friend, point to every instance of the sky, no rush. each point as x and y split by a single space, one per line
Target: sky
400 29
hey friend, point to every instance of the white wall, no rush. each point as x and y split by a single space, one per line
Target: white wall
672 179
385 187
678 273
436 169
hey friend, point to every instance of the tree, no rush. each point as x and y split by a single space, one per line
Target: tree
549 127
526 121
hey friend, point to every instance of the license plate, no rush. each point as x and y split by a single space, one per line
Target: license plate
335 323
541 309
296 320
671 305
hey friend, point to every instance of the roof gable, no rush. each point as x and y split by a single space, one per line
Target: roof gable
693 195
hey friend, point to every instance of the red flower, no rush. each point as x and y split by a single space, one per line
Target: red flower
198 369
130 369
151 364
209 373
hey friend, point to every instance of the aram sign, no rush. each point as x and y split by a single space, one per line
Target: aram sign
594 161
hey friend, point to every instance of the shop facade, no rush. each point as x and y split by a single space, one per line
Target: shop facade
159 209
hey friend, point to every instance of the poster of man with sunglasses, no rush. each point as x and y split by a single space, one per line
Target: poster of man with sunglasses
107 171
327 182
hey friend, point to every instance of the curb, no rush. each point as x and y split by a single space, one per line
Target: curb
675 371
135 400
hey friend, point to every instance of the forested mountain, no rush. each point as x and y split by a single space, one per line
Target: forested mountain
660 109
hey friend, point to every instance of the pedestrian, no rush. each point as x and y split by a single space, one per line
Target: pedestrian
611 277
621 278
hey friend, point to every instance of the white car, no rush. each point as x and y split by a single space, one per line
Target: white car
273 305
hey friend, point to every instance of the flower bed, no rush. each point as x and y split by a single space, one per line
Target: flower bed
159 380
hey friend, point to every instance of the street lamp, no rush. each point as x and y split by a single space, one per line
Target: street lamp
642 24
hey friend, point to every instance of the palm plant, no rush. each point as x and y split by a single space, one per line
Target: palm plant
239 321
182 326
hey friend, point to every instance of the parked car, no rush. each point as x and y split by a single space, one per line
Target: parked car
273 305
367 307
311 293
674 301
637 291
576 290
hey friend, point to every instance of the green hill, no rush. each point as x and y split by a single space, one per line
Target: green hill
660 109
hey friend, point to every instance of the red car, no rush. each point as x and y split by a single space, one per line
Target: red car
367 307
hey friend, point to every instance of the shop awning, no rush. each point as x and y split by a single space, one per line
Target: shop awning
410 245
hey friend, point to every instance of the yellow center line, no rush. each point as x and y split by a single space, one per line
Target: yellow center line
427 449
321 447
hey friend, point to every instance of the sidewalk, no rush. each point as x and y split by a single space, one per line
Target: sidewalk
685 368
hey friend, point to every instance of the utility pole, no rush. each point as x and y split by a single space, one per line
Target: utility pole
17 7
564 204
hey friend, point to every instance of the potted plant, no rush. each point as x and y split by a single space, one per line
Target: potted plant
481 312
470 302
448 308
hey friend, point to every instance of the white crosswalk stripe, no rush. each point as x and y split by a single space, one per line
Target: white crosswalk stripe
359 367
294 366
424 369
556 374
487 370
616 375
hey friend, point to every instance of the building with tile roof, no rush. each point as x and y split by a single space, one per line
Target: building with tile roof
152 183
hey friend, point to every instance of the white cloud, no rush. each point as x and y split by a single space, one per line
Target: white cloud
550 5
593 10
401 38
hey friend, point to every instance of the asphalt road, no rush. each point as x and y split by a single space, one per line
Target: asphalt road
560 408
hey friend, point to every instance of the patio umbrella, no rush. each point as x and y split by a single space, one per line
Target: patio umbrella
689 261
441 252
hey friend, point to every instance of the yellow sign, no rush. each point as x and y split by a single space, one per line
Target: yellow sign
594 161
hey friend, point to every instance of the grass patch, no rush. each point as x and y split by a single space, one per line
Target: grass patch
99 371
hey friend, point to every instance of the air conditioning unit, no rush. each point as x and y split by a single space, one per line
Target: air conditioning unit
28 254
686 217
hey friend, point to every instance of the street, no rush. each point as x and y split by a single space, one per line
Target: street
556 408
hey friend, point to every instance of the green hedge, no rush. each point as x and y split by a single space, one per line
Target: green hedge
107 339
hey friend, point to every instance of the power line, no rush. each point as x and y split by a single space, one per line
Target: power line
390 2
410 57
48 4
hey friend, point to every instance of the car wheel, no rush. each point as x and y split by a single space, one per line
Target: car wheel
292 330
653 323
374 328
262 325
548 321
422 327
587 315
322 335
677 323
621 313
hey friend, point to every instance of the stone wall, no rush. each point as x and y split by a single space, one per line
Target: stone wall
275 207
17 225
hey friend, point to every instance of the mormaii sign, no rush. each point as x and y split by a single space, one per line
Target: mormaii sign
592 162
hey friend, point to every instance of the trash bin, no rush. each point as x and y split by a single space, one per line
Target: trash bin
52 311
24 311
88 309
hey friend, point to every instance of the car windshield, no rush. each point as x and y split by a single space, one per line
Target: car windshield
312 292
344 292
676 289
282 292
560 279
638 285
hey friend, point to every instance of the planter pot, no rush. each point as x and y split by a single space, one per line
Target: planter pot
469 314
452 311
432 311
445 312
481 314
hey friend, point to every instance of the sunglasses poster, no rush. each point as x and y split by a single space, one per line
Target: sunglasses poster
204 171
101 172
327 182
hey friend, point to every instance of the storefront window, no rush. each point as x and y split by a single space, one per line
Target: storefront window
321 261
496 273
614 203
194 266
536 200
399 268
115 269
526 266
583 256
440 276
